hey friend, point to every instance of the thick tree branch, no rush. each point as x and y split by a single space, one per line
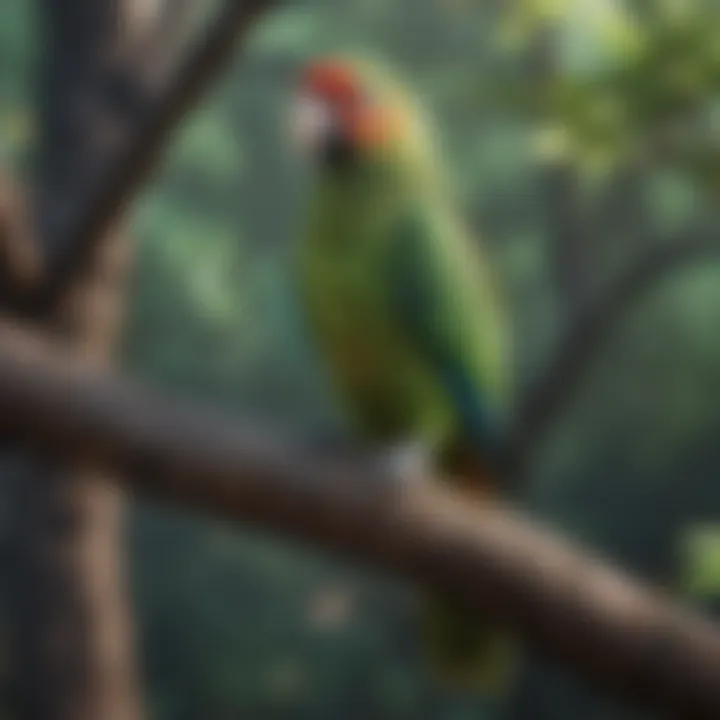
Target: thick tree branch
158 116
574 608
547 397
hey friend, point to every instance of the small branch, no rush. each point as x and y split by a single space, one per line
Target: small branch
113 192
157 50
548 396
20 258
571 607
570 252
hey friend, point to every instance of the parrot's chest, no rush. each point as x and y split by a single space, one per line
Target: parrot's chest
349 289
350 309
378 375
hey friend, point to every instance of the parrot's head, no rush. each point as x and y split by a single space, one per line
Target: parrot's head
347 112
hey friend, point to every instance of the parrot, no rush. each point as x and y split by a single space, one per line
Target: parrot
404 310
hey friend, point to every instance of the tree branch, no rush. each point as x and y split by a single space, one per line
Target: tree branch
547 396
20 257
573 608
570 249
112 193
158 48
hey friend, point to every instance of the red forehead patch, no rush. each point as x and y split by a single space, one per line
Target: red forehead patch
334 80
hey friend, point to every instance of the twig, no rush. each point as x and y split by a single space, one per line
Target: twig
548 396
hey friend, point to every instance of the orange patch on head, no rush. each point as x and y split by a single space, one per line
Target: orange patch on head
374 127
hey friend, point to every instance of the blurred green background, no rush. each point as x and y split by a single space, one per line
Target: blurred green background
577 132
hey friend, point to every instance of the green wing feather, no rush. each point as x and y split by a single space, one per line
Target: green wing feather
447 306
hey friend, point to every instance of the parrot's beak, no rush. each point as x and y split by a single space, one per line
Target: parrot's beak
311 125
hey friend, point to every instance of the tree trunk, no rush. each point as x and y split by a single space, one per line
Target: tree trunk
74 648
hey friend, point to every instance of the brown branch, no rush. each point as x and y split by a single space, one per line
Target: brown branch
112 193
548 396
158 48
20 257
574 608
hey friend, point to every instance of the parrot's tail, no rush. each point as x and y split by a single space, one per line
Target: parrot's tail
468 653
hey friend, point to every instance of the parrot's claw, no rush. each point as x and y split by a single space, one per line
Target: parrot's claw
408 462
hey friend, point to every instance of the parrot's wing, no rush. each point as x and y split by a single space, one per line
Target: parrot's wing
432 297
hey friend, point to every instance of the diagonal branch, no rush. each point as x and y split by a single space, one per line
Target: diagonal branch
571 247
157 49
158 117
548 396
572 607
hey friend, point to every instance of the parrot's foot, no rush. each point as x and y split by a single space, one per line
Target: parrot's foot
408 462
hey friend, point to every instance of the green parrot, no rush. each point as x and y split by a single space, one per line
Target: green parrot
403 308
